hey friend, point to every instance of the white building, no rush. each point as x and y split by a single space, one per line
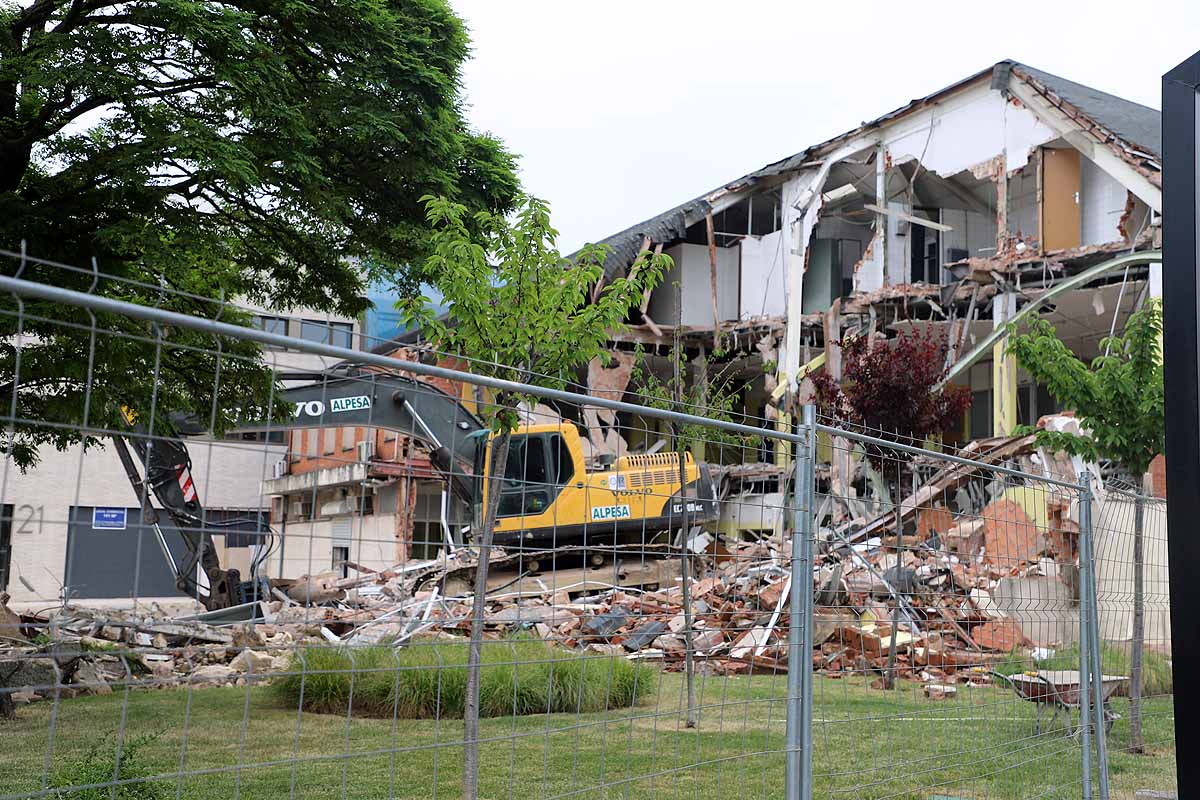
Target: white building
49 545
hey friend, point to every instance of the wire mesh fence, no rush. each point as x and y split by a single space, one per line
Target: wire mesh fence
947 583
255 586
1132 582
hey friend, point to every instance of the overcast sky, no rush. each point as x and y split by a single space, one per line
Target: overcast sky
620 109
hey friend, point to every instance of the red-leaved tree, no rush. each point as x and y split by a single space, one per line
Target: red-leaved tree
888 387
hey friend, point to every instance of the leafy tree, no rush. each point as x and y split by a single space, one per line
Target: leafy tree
714 396
266 151
1119 402
889 389
518 310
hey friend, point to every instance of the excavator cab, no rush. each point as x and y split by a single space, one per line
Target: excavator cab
542 461
550 498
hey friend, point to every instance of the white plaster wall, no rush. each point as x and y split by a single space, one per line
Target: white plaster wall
799 220
1101 204
692 270
1043 606
1114 573
899 249
307 547
763 279
973 231
965 130
869 276
1022 203
227 474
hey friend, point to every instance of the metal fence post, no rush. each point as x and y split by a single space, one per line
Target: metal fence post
1096 672
808 530
1085 638
798 781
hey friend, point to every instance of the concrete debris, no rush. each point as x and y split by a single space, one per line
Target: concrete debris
213 673
252 661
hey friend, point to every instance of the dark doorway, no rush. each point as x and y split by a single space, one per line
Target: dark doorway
6 516
111 562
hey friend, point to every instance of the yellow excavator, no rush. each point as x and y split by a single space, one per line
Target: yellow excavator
551 498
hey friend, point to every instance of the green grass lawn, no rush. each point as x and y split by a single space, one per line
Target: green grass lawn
240 742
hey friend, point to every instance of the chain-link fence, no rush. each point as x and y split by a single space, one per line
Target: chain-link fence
309 602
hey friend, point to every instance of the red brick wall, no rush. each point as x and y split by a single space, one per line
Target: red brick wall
1158 476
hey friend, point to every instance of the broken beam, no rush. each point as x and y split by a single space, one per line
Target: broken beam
712 269
928 223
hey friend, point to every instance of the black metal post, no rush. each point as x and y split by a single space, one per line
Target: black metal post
1181 181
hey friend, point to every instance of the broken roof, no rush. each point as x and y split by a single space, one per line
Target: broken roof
1139 128
1136 124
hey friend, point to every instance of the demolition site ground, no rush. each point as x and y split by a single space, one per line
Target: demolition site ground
241 742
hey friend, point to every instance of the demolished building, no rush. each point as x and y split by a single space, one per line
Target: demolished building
955 213
1010 193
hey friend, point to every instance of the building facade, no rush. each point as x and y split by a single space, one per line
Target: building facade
71 527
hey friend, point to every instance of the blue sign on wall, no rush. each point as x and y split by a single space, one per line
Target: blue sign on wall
109 519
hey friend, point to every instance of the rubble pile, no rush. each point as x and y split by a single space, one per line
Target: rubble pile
948 581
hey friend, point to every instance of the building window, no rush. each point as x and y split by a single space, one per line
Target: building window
271 324
338 334
981 414
925 250
340 556
274 437
1034 401
240 527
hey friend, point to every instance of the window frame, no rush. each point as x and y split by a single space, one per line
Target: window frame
260 321
333 332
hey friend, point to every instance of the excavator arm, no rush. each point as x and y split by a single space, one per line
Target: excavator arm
396 403
166 472
365 399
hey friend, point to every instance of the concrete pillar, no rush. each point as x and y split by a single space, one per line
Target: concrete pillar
783 449
1004 370
880 239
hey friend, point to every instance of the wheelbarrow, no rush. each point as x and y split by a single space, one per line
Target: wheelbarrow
1058 689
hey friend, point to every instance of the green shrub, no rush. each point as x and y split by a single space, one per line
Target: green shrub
429 679
1114 660
97 767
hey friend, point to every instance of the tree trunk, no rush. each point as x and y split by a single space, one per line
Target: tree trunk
685 556
1136 743
471 708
